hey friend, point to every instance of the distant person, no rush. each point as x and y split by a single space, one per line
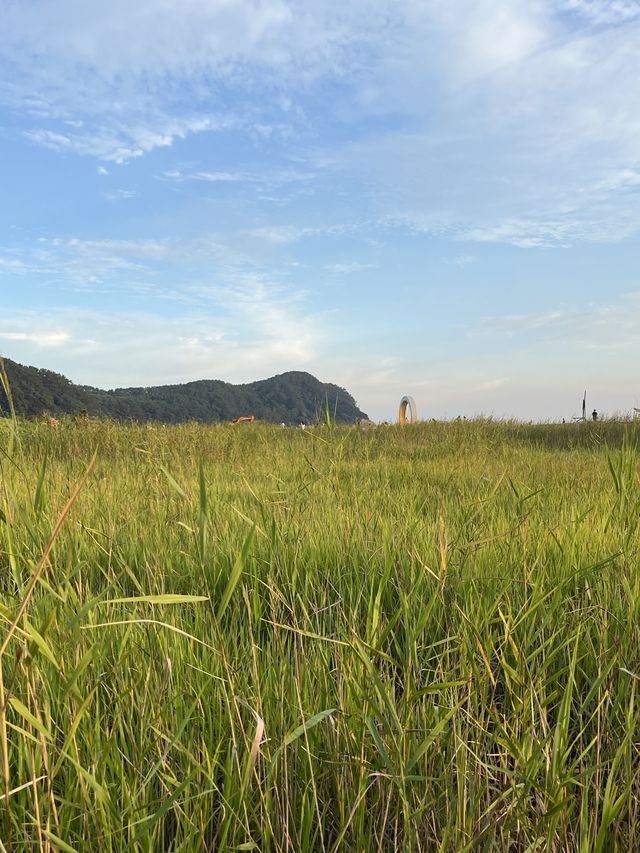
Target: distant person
594 415
563 421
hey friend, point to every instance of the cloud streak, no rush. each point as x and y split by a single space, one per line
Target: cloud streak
595 326
121 141
41 339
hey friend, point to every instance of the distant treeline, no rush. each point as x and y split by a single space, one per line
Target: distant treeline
291 397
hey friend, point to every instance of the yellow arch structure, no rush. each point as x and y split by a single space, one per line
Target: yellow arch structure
410 404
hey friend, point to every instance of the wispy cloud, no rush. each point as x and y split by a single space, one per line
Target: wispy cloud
595 326
493 384
528 234
15 266
41 339
603 11
145 266
119 195
268 176
121 141
347 268
72 263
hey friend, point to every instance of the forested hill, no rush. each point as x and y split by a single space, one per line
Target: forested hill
290 398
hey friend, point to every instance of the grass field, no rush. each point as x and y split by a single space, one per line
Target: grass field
249 638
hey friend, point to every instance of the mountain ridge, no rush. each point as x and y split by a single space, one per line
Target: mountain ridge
291 397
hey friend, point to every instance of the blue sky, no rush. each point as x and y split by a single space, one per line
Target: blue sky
430 197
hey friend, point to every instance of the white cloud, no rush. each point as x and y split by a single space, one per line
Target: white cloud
41 339
491 35
147 267
14 266
604 11
136 248
91 265
268 176
594 326
155 37
278 235
223 177
347 268
526 234
120 141
620 179
493 384
119 195
104 146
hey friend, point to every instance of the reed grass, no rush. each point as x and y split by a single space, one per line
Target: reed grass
250 638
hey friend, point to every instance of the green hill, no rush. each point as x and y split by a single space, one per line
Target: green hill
290 397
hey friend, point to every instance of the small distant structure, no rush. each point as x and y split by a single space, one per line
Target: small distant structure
249 418
584 409
636 412
408 403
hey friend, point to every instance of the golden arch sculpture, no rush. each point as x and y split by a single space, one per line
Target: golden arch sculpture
410 404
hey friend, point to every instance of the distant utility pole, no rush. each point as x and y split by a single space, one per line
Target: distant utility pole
584 407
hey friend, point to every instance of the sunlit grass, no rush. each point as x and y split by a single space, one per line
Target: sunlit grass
387 639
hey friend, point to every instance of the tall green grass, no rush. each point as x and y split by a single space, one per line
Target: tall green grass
249 638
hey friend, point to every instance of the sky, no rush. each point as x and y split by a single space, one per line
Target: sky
438 198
